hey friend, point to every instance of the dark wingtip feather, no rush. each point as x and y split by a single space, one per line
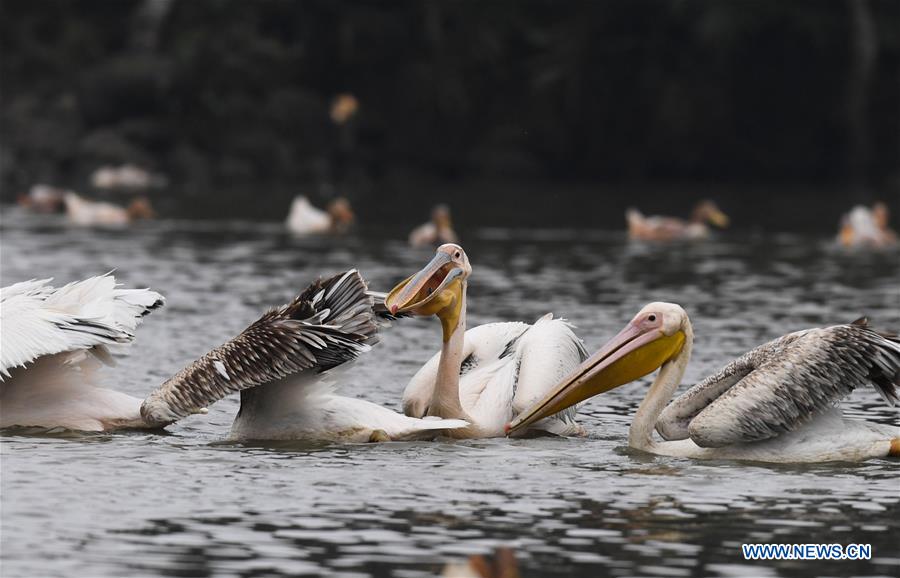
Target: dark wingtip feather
380 309
884 372
327 325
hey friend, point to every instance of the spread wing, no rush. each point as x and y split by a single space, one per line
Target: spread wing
784 384
330 323
39 320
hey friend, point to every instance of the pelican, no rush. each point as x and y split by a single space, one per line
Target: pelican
305 219
53 339
864 227
438 230
81 211
658 228
775 403
488 374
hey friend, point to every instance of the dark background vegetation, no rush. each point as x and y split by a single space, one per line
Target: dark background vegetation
528 112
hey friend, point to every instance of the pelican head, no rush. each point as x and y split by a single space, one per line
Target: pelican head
435 290
708 211
654 337
440 216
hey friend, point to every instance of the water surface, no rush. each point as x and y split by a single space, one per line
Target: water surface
185 504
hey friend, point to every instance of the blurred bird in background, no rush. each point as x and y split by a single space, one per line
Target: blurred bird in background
437 231
659 228
865 227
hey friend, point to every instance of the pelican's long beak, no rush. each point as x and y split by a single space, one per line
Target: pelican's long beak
425 293
630 355
718 218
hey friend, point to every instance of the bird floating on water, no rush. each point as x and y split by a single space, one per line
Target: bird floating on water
865 227
490 373
54 340
83 212
437 231
657 228
775 403
305 219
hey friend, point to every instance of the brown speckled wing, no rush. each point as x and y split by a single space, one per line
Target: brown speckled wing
330 323
787 382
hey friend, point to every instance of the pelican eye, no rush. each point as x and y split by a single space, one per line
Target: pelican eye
651 318
457 254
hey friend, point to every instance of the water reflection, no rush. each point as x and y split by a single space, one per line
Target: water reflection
186 504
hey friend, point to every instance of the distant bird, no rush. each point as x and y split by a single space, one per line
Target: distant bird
487 374
864 227
305 219
657 228
125 177
435 232
775 403
54 339
43 199
81 211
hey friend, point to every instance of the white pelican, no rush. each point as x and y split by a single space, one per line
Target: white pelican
81 211
305 219
658 228
864 227
488 374
52 340
775 403
438 230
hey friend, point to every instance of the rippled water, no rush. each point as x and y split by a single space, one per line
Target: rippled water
185 504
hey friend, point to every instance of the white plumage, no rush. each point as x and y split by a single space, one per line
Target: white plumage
506 367
307 219
53 340
308 407
38 320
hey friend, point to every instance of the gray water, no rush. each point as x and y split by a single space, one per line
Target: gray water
185 504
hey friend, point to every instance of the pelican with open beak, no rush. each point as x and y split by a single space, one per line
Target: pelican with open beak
488 373
775 403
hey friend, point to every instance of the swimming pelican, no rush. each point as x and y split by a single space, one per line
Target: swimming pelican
658 228
864 227
305 219
81 211
438 230
52 340
775 403
488 374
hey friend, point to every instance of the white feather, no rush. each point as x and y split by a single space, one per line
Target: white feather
305 219
46 336
37 320
496 387
306 407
